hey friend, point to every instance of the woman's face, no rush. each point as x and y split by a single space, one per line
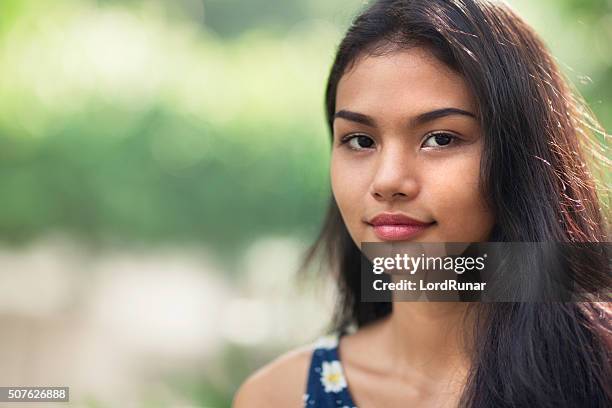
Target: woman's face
407 143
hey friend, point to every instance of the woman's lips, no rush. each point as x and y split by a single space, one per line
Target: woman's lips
397 226
397 232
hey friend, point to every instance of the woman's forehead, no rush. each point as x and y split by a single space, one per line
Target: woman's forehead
403 80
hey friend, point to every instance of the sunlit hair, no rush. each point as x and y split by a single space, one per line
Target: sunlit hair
542 154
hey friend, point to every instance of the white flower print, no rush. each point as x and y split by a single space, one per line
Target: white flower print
327 342
332 377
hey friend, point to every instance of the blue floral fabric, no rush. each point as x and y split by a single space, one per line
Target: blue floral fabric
327 387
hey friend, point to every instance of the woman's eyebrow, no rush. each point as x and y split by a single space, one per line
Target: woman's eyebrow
416 121
439 113
355 117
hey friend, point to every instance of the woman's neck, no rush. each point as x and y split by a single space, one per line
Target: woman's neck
428 335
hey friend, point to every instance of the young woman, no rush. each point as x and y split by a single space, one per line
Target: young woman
451 119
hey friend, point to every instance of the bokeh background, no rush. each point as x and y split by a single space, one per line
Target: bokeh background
163 166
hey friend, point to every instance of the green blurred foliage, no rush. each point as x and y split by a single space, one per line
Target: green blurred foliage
161 132
153 121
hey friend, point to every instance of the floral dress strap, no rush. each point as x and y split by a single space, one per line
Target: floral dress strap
327 387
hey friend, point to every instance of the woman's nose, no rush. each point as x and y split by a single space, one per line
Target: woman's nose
395 176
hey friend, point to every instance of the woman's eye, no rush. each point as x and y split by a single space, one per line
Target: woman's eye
437 140
358 142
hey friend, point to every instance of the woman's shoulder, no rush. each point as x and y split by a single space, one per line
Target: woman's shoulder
281 382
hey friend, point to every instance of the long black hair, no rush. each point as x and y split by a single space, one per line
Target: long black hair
540 152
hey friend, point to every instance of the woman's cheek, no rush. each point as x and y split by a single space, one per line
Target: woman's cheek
459 207
458 204
349 187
